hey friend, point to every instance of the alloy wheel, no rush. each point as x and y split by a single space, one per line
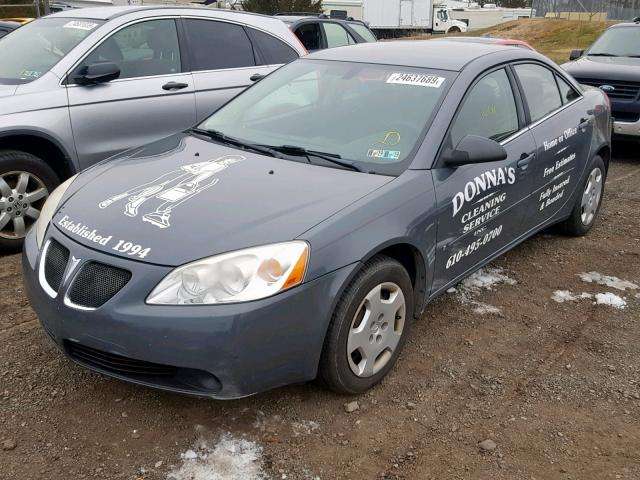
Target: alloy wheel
22 195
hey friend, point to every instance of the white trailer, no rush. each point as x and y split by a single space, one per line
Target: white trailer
386 16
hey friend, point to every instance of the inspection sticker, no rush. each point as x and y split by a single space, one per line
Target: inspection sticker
385 154
420 80
80 25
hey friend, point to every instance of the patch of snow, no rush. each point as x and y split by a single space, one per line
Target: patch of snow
228 458
562 296
485 309
486 278
608 281
610 299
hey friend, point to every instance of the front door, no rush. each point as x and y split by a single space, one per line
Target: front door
150 100
480 207
562 137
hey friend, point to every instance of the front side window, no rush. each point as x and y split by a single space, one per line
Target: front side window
336 35
217 45
567 92
365 113
489 110
540 90
617 42
32 50
144 49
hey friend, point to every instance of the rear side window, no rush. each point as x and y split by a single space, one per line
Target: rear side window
489 110
3 33
567 93
540 90
273 50
217 45
310 36
363 31
336 35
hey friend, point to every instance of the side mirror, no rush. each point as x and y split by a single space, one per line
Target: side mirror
475 149
98 72
575 54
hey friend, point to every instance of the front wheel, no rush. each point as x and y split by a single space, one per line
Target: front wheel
25 184
369 327
587 206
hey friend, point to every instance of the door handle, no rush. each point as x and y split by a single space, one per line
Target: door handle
584 123
174 86
256 77
525 160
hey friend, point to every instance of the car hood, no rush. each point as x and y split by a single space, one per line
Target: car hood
605 68
7 90
184 198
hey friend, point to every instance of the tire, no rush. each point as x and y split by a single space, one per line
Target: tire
589 200
25 183
453 30
359 310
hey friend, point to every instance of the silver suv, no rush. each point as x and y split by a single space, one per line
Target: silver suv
79 86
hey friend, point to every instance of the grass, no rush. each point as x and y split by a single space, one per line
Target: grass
551 37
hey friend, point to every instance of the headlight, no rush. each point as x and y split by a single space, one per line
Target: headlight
49 208
234 277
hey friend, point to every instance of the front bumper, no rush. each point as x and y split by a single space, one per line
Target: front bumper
219 351
626 128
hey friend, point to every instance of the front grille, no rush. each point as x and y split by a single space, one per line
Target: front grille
117 364
623 90
630 117
55 264
96 284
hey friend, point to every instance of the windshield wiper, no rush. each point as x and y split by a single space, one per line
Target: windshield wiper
236 142
329 157
602 55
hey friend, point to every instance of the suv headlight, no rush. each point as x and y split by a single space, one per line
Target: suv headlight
240 276
49 209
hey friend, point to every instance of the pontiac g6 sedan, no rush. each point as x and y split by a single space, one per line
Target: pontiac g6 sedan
299 231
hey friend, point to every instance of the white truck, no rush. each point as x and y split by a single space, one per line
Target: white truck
390 17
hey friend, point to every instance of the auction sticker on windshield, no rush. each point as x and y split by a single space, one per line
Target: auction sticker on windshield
420 80
80 25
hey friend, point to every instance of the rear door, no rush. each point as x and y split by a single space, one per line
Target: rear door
222 60
151 99
310 35
562 128
480 207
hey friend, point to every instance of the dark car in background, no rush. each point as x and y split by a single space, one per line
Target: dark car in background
317 32
612 64
7 27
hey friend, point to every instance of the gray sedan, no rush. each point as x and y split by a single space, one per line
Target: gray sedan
300 230
81 85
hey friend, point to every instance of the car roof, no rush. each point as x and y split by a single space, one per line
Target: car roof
441 55
625 25
108 13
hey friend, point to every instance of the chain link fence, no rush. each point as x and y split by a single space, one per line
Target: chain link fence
589 10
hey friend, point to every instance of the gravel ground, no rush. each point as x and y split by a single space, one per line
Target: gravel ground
525 378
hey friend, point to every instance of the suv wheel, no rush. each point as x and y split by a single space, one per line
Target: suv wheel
25 184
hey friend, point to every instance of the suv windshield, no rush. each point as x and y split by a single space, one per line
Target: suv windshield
619 42
363 31
368 114
31 51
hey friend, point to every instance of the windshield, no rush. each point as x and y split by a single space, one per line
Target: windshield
620 42
372 115
30 51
